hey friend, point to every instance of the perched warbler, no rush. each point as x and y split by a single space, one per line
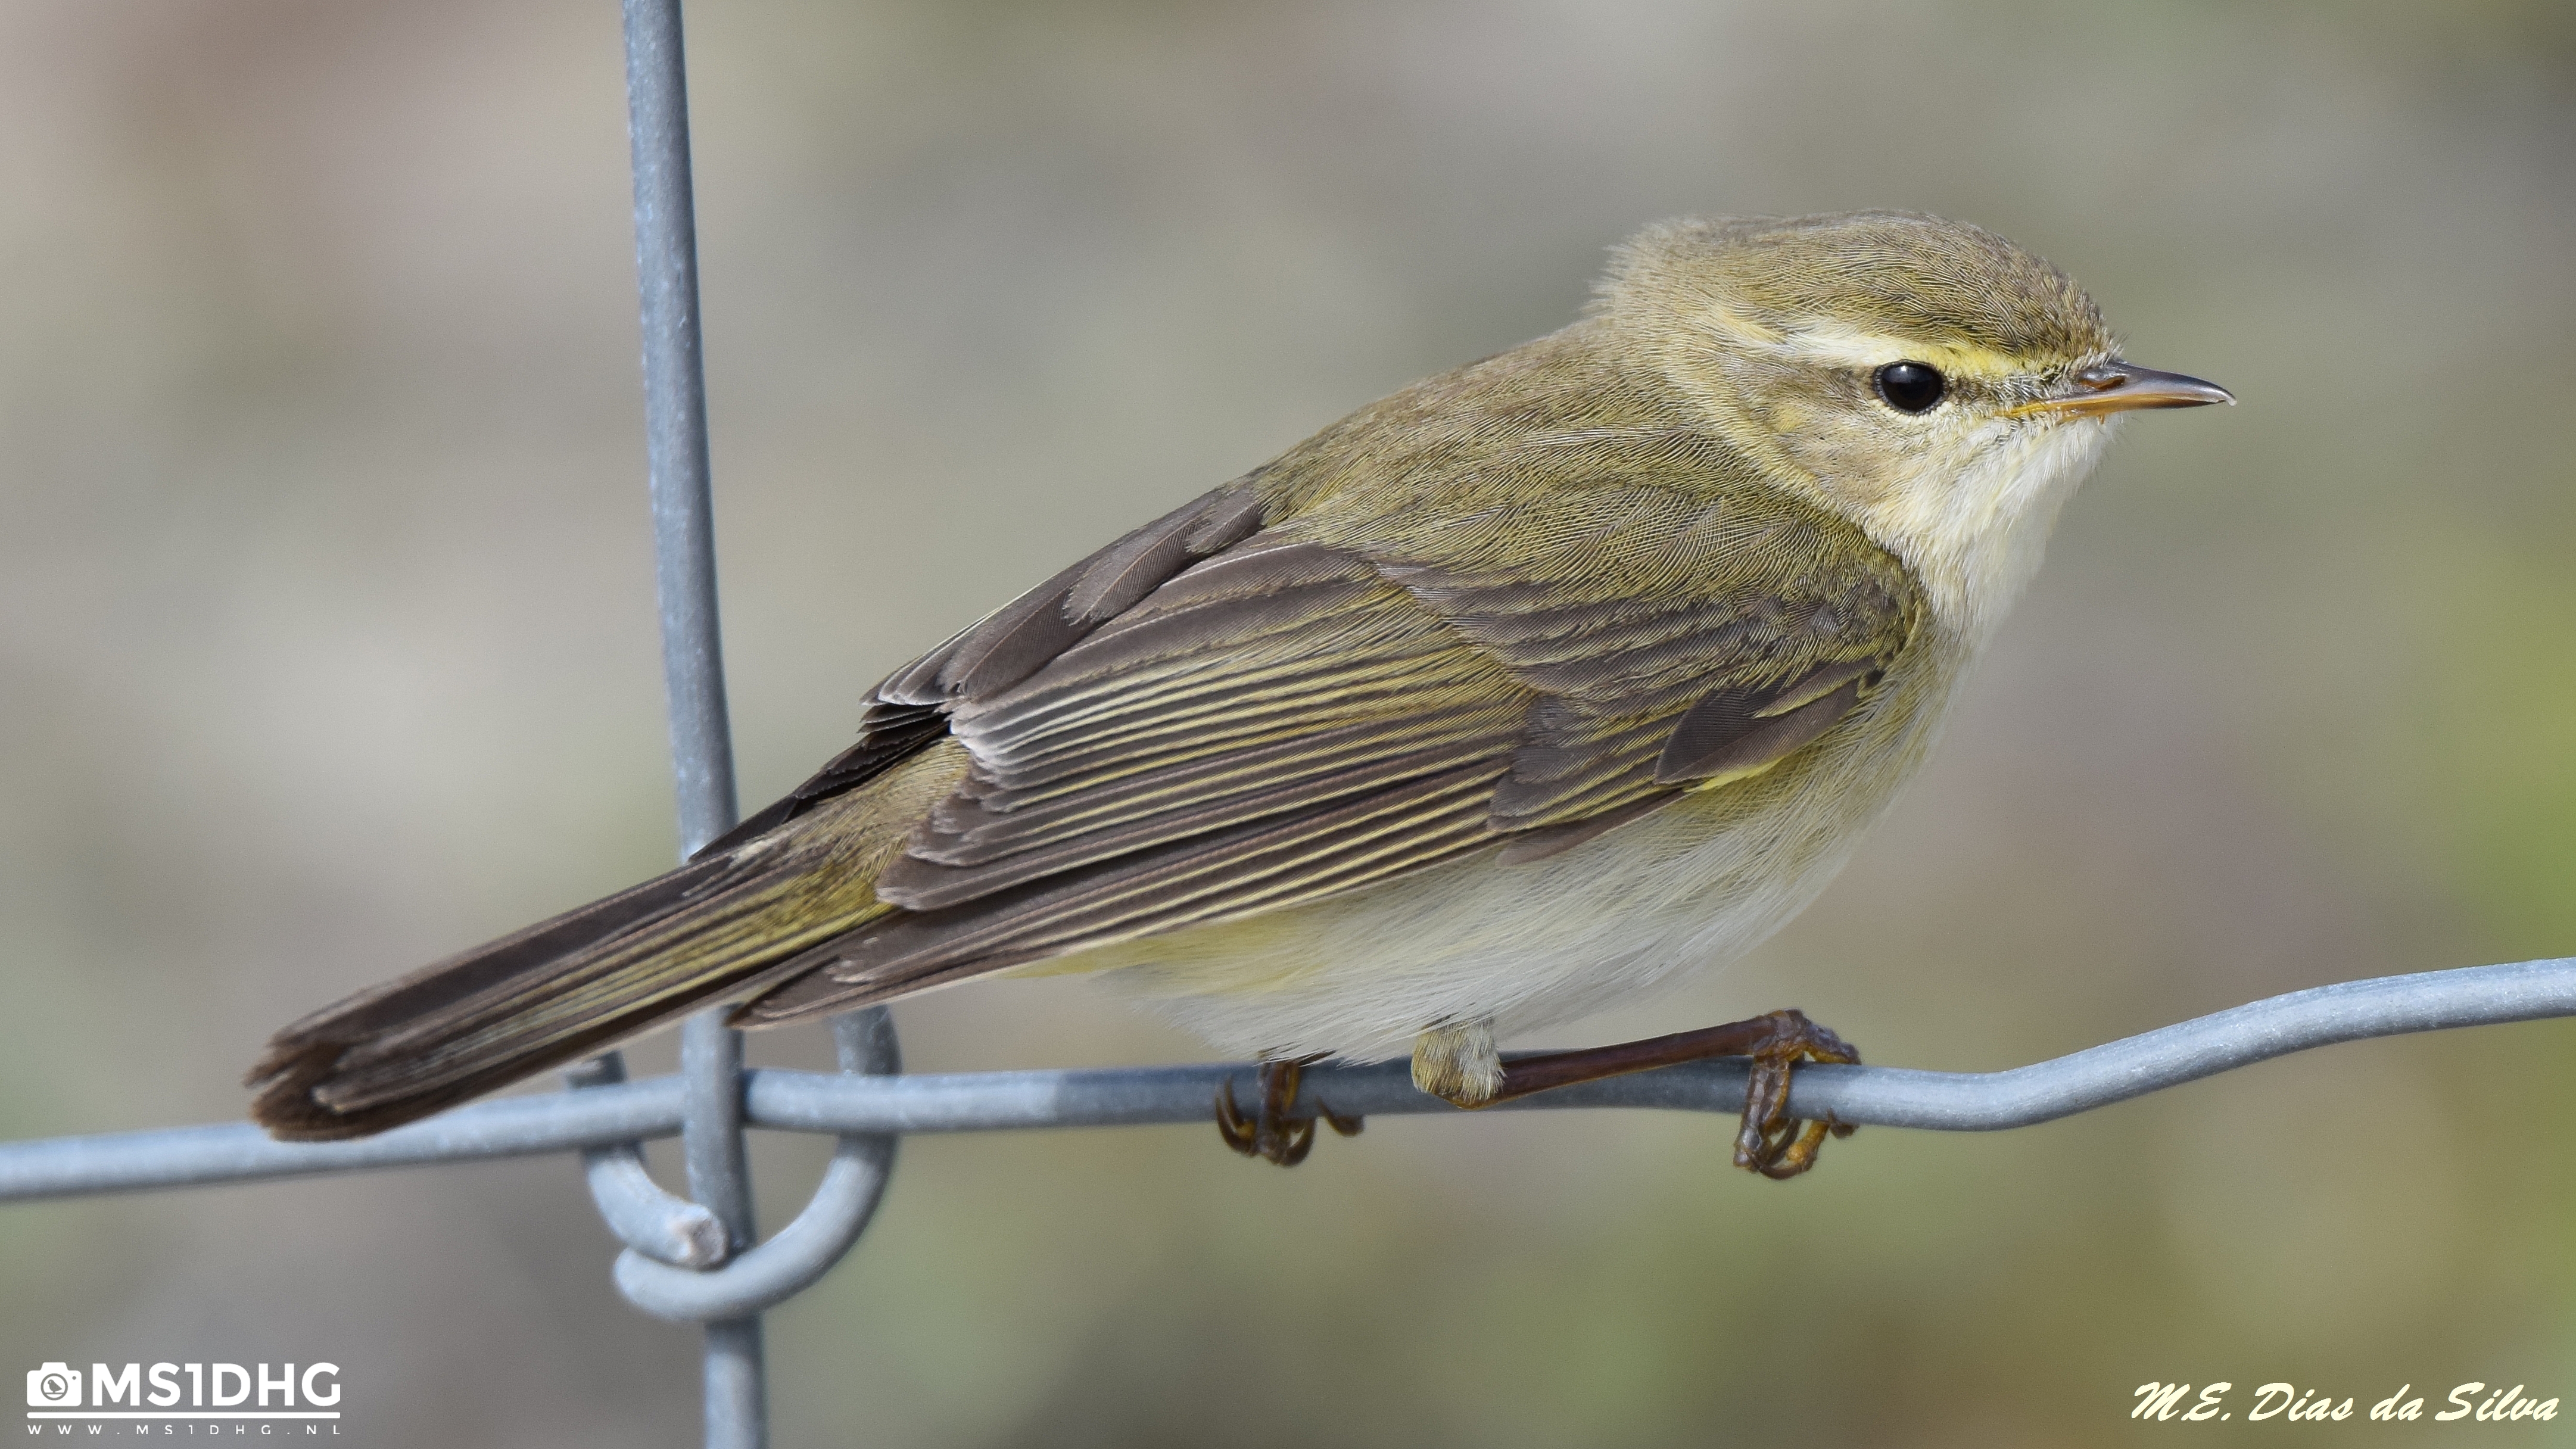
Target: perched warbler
1505 697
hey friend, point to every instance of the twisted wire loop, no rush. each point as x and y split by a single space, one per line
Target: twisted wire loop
676 1264
661 1225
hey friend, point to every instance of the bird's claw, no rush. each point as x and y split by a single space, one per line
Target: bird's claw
1275 1132
1771 1142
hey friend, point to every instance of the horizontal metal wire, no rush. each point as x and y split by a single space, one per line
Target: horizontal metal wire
999 1101
240 1152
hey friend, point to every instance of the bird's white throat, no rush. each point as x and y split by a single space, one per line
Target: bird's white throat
1974 535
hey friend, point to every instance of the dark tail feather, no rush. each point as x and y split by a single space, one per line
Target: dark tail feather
553 993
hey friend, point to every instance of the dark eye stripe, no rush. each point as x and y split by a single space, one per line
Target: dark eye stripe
1910 387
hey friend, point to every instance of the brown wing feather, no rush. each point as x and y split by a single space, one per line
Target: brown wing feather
1414 825
1315 710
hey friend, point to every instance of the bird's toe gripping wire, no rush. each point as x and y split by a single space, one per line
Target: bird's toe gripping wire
1770 1141
1275 1131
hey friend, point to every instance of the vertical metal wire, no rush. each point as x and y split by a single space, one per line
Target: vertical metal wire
675 423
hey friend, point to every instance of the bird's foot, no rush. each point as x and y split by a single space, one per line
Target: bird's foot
1274 1132
1770 1141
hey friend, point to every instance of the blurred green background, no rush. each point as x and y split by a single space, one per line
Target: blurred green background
326 647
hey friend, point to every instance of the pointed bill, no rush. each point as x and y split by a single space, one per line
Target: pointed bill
2119 387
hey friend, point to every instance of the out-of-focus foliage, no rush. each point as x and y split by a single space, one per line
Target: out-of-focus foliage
326 647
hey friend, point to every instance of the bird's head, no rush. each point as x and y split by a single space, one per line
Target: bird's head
1928 380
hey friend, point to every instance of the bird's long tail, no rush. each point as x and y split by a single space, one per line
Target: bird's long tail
568 987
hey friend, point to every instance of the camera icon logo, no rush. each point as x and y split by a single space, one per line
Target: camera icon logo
55 1386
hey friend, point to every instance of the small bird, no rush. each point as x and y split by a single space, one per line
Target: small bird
1508 696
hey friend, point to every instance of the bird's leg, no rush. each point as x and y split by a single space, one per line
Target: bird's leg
1274 1132
1770 1142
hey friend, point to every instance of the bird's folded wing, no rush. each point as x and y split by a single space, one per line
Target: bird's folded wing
1268 716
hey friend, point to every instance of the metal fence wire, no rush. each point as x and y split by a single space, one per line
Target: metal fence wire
698 1260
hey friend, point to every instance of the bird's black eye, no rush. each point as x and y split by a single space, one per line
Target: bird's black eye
1910 387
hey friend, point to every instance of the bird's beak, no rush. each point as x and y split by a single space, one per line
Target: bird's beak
2118 387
